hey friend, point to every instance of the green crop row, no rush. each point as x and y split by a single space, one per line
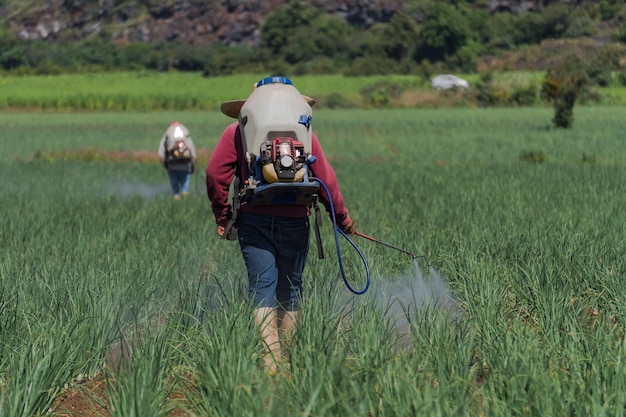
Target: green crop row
152 91
143 91
112 291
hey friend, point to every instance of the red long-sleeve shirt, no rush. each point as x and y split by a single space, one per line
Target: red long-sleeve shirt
220 171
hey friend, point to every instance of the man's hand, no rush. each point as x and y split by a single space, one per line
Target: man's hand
221 226
221 230
348 228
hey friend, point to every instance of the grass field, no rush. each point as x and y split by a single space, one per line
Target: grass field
151 91
147 91
115 299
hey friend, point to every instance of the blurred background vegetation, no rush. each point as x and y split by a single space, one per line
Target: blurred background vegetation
422 37
558 52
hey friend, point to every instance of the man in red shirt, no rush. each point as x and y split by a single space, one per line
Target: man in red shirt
273 237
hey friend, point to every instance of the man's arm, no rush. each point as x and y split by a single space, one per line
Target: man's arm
220 172
324 171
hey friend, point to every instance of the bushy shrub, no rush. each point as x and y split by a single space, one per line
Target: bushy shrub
609 8
319 66
368 66
588 158
488 94
601 64
47 67
336 101
517 91
533 157
620 33
525 95
580 25
380 93
465 57
621 78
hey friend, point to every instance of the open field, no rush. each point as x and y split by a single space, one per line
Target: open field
116 300
150 91
141 91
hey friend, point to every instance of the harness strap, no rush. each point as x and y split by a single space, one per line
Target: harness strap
166 152
318 224
230 231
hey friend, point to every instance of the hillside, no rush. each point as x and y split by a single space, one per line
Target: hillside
200 22
372 36
196 22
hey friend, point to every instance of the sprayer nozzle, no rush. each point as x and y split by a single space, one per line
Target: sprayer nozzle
415 257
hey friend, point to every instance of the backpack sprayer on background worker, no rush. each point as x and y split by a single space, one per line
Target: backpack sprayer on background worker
276 132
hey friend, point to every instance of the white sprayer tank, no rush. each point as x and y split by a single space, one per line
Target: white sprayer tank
274 110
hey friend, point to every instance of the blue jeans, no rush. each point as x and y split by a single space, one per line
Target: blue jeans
180 181
275 251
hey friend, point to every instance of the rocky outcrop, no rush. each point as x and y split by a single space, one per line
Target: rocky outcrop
190 21
196 22
512 6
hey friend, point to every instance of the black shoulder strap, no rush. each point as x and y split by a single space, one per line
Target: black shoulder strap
230 231
166 152
318 224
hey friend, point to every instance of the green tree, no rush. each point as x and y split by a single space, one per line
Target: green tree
221 60
580 25
280 27
443 33
135 54
602 63
12 58
399 37
96 51
326 36
532 27
29 54
562 85
332 36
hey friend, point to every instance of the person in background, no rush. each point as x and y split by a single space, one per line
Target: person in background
274 238
177 154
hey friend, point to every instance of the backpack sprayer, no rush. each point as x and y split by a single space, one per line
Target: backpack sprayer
277 143
175 147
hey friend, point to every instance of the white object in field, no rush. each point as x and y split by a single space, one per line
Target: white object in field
448 81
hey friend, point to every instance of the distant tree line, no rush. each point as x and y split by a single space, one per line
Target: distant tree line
301 39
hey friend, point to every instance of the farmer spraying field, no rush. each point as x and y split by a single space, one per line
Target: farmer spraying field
277 165
177 154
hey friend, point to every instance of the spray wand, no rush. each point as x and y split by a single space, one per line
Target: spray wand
389 245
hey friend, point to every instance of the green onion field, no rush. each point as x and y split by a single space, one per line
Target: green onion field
116 300
148 91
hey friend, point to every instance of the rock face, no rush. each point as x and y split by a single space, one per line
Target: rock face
196 22
513 6
190 21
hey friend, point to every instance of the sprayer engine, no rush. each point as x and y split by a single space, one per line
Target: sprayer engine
287 157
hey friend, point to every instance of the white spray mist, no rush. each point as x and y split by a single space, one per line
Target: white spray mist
405 296
148 192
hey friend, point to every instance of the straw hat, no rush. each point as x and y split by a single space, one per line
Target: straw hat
232 108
